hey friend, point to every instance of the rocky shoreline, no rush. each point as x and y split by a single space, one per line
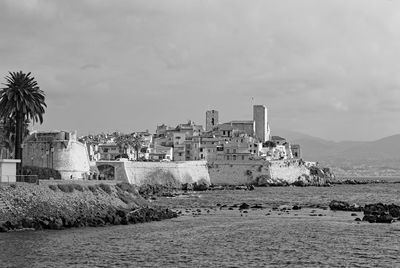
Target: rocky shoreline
373 213
37 207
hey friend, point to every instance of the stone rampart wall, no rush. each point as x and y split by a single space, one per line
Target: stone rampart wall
69 157
140 173
237 172
288 170
247 172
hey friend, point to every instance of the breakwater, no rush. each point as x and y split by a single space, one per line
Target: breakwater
58 206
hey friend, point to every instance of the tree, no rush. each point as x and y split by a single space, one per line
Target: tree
122 142
21 100
137 142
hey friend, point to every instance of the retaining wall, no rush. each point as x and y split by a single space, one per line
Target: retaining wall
140 173
246 172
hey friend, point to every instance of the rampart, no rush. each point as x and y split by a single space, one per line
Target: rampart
58 150
248 172
140 173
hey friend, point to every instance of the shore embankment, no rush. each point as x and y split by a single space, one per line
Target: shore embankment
59 206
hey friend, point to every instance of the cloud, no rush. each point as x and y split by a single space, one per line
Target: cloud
309 60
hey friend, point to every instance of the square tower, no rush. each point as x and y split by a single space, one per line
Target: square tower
260 117
211 119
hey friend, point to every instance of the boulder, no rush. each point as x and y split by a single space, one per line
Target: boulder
244 206
344 206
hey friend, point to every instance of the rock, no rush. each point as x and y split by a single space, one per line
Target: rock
244 206
357 219
343 206
296 207
353 214
284 208
394 210
370 218
257 206
3 228
251 187
385 218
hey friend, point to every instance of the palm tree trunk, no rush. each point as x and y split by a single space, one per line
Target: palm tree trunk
18 140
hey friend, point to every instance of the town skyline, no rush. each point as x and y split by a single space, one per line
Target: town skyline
327 69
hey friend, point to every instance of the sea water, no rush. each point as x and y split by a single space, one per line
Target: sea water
207 235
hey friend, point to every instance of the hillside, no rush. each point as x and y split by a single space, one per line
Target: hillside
370 158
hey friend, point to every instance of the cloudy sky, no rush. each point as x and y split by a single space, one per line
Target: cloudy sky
325 68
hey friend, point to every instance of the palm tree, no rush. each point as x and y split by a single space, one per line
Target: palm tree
20 100
137 142
122 142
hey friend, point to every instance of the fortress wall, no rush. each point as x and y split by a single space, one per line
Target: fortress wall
288 171
72 161
246 172
237 172
69 157
171 173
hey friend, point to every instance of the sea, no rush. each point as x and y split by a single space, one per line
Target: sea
212 232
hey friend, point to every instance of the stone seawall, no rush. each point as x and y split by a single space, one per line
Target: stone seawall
255 172
140 173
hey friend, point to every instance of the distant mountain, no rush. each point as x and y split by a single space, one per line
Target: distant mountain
372 158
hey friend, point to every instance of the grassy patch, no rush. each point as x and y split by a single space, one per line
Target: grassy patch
66 188
105 187
93 188
53 187
127 187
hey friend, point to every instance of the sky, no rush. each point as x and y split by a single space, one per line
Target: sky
328 68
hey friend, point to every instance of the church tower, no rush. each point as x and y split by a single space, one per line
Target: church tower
260 117
211 119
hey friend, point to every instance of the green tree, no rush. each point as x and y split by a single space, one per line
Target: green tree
21 100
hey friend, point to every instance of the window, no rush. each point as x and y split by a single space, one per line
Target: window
234 151
180 154
227 151
209 150
242 157
227 157
223 132
234 157
105 150
201 150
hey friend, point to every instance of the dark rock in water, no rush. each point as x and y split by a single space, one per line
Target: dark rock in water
231 208
344 206
244 206
353 214
234 206
370 218
394 210
251 187
296 207
357 219
381 213
385 218
245 211
257 206
218 205
3 228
